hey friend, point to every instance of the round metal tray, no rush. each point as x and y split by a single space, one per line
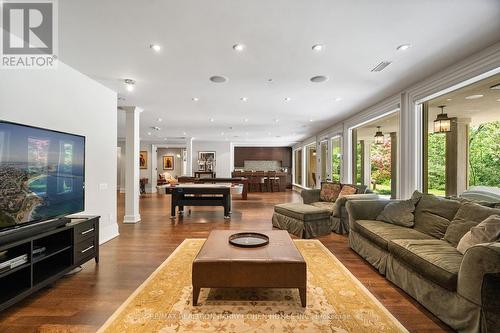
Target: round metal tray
248 239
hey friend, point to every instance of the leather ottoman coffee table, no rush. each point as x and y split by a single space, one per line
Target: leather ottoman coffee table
276 265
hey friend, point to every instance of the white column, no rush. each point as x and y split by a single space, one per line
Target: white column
132 146
154 168
367 167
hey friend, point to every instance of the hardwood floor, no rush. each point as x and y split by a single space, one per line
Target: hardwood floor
83 301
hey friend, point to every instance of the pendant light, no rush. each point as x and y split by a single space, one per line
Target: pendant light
442 124
379 136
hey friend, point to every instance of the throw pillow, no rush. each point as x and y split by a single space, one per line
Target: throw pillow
484 232
347 190
329 192
468 215
433 214
399 213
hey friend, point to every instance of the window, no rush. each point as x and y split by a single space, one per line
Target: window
374 154
465 156
298 167
311 166
336 159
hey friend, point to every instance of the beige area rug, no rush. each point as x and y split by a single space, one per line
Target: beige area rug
336 301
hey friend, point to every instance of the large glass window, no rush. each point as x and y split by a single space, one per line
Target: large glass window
336 159
298 167
374 154
461 141
311 166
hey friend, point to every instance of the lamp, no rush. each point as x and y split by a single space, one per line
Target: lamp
442 123
379 136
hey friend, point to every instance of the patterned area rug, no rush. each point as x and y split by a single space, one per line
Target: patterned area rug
336 301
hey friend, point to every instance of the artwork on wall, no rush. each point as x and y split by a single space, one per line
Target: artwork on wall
168 162
206 161
143 159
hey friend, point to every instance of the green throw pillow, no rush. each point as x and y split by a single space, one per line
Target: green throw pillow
399 212
468 215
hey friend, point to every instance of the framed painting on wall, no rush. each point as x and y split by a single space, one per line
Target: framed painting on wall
168 162
206 155
143 159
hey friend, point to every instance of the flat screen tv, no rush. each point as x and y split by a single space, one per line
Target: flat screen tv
42 175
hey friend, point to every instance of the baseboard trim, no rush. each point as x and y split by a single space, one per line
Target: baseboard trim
132 218
108 232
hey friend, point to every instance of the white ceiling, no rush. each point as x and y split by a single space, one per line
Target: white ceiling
480 110
109 41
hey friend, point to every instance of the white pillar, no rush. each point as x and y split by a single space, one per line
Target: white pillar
367 167
132 146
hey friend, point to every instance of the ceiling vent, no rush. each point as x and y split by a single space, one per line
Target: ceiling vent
380 67
155 128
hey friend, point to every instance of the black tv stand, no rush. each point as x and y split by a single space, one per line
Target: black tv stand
65 248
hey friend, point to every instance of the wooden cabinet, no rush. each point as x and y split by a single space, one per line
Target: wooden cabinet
49 255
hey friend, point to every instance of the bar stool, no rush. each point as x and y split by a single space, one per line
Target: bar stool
254 184
272 182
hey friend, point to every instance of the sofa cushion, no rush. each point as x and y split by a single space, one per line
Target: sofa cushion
381 233
485 232
433 214
399 212
325 205
302 212
329 192
468 215
434 259
347 190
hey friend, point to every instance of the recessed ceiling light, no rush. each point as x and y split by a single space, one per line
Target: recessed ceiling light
165 139
246 120
317 47
184 133
403 47
130 84
160 120
195 99
238 47
276 120
244 99
212 120
149 133
319 78
338 99
287 99
155 47
474 96
218 79
311 120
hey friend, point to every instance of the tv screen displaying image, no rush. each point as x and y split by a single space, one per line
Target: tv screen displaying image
42 174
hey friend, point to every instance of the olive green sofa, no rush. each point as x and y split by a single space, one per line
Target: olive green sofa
338 214
462 290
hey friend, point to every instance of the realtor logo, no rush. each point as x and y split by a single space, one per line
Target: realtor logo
29 34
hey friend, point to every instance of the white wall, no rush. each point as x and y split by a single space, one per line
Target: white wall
177 171
66 100
223 155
